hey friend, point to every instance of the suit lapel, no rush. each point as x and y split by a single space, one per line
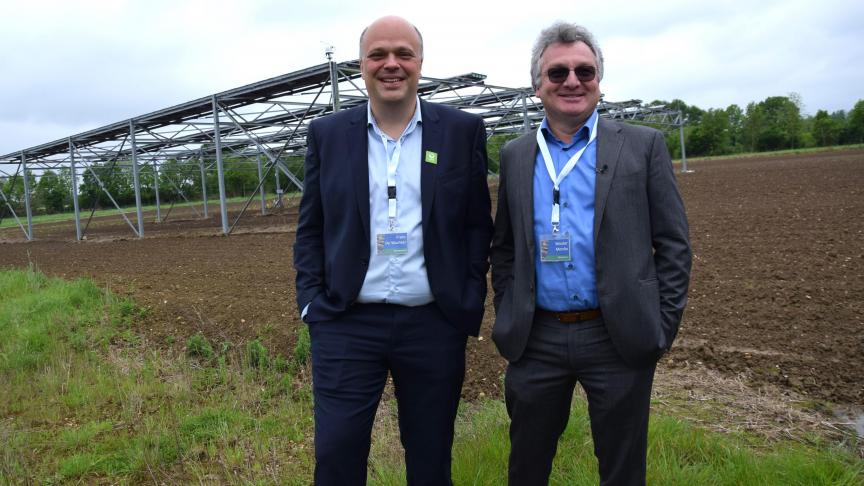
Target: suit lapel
609 143
432 142
358 160
526 157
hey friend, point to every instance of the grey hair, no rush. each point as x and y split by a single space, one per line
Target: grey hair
419 36
565 33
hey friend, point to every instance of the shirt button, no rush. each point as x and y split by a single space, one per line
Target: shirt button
574 297
565 204
569 266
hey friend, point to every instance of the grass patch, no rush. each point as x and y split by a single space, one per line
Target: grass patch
678 454
9 221
775 153
85 401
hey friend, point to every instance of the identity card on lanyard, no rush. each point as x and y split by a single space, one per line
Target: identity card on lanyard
555 246
392 242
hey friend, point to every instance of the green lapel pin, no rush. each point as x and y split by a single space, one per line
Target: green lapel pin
431 157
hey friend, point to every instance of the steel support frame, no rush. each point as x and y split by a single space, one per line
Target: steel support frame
271 118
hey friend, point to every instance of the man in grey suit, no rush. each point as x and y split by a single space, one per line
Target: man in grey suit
590 267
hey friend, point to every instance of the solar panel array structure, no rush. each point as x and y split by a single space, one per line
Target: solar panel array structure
265 121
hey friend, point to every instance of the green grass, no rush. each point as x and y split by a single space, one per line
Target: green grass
775 153
9 221
84 400
678 454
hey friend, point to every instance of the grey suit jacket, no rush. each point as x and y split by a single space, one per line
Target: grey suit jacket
641 243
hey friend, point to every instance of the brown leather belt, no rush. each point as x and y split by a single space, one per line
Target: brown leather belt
570 316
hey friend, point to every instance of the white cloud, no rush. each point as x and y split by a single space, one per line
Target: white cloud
77 64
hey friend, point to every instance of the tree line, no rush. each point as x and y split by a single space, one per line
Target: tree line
52 190
776 123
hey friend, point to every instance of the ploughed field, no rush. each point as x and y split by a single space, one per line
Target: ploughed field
777 294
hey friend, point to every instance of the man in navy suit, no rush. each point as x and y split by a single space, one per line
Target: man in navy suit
391 260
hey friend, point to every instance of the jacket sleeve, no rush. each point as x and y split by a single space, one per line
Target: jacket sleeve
502 254
479 221
309 242
669 235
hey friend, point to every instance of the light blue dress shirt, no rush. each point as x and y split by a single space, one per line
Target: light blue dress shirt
396 279
571 285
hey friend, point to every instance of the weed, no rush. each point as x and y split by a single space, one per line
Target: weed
199 347
256 355
303 347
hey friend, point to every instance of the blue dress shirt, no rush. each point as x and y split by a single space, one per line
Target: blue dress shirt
571 285
402 278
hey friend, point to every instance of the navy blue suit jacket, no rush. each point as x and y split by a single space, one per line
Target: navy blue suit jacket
331 252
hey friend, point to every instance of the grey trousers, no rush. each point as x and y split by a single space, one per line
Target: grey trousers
539 388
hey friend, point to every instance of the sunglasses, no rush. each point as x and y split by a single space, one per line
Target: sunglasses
559 74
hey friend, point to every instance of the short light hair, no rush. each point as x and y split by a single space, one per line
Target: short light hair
419 36
565 33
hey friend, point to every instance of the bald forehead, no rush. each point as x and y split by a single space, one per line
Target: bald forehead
391 27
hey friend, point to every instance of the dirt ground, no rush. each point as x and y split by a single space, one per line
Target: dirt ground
777 294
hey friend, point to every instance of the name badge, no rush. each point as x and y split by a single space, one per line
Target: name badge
392 243
555 247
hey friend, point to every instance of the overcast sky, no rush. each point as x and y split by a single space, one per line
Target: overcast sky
70 66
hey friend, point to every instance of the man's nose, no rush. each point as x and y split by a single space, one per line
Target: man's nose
390 61
571 81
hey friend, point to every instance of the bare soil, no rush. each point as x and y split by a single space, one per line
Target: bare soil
777 294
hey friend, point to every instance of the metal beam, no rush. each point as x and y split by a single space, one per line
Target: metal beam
74 188
223 204
27 209
136 181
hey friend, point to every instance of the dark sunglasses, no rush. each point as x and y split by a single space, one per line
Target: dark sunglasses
584 74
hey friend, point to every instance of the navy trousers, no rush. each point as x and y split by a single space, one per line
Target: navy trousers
539 388
351 358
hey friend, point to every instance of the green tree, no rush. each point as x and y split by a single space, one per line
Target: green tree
51 193
854 132
692 113
773 124
13 188
826 131
116 179
711 135
754 121
736 128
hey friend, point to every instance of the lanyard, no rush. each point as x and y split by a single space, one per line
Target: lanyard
392 165
556 180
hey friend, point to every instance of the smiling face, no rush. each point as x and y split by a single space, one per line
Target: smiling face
568 104
391 57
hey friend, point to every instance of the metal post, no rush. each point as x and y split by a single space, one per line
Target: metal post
203 184
156 190
136 181
526 127
278 189
261 184
223 204
683 150
334 79
75 191
27 197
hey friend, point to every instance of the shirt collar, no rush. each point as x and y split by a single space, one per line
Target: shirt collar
584 133
412 124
